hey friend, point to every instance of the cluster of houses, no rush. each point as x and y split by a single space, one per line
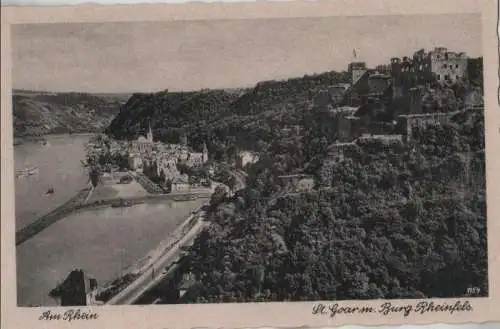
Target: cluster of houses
145 151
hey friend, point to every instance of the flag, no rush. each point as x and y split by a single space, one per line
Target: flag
354 53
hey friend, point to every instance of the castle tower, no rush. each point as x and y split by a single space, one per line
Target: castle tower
396 76
78 289
150 134
356 68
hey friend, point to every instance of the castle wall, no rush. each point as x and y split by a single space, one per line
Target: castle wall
440 64
337 92
346 127
422 121
354 96
448 67
415 101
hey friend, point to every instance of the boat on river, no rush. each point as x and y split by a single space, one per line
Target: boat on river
26 172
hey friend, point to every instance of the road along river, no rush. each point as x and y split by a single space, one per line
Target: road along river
103 242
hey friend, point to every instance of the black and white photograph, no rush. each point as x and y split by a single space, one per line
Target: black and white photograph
252 160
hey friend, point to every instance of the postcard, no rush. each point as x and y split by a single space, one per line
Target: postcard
250 165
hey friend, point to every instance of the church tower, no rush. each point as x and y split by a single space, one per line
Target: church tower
150 134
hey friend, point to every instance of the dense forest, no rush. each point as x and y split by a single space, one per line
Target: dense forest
393 221
173 115
226 120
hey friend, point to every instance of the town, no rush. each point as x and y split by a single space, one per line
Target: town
391 105
387 103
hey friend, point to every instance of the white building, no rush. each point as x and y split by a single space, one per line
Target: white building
246 157
135 163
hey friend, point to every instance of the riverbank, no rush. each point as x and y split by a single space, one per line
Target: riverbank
105 242
144 269
20 140
113 288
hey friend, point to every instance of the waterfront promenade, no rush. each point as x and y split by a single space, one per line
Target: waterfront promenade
161 268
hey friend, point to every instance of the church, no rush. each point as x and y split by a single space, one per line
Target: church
144 144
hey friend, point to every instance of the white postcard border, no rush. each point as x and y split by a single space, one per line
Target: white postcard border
252 315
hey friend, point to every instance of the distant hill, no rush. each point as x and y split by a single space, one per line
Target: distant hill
39 113
244 118
171 114
289 93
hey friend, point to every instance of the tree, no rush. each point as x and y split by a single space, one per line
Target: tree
162 178
95 176
231 182
168 185
154 172
218 196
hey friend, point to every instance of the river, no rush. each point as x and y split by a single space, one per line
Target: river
59 166
102 241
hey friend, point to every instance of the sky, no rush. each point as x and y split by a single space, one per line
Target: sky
191 55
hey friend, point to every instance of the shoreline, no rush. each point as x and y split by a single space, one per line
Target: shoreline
144 263
20 140
147 262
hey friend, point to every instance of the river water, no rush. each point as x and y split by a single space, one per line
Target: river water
59 166
103 242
